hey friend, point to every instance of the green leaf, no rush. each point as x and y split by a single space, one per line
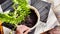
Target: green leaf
18 15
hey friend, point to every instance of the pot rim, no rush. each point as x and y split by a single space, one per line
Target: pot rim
38 15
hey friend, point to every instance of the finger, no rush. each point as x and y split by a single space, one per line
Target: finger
19 32
23 28
26 32
20 28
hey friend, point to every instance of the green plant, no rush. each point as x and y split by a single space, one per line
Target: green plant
21 10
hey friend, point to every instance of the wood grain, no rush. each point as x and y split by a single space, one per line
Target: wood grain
1 28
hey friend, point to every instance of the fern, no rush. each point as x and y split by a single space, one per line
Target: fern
21 10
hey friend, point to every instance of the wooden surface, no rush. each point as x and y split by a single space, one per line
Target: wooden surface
1 28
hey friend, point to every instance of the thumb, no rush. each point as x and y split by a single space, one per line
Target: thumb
27 32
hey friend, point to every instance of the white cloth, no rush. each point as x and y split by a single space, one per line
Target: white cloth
52 20
51 23
55 7
1 9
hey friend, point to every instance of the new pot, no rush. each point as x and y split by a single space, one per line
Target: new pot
36 17
32 21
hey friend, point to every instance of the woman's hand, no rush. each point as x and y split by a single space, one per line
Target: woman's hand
56 30
22 29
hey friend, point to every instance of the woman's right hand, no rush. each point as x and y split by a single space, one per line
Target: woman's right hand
22 29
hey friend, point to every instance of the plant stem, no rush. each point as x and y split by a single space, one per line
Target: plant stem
11 32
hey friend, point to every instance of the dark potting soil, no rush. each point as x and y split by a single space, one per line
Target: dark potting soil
30 21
